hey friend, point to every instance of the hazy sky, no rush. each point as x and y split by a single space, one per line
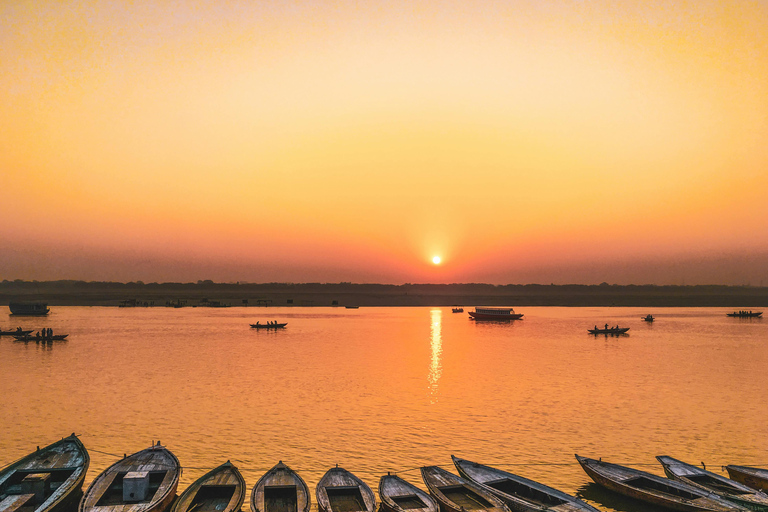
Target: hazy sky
521 141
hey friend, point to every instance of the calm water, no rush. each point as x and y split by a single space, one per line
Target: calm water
392 389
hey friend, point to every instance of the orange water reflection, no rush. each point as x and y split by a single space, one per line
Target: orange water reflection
436 343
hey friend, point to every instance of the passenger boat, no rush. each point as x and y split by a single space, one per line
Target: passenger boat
456 494
610 330
269 326
341 491
755 478
220 490
495 314
38 337
280 489
16 332
654 489
397 495
143 482
648 318
520 494
47 480
745 314
712 482
29 308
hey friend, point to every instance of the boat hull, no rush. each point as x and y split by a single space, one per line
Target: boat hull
289 488
456 494
229 491
341 491
756 478
398 495
28 309
502 318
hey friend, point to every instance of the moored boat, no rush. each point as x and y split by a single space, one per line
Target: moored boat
143 482
654 489
258 325
341 491
280 490
520 494
495 314
456 494
47 480
611 330
712 482
220 490
398 495
756 478
29 308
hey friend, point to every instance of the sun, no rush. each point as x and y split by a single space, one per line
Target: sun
436 260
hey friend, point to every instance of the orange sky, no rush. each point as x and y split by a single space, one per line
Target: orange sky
521 141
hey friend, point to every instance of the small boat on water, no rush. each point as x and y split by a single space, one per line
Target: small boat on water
654 489
341 491
745 314
456 494
352 307
16 332
610 330
520 494
648 318
220 490
38 337
756 478
258 325
458 309
29 308
143 482
47 480
397 495
495 314
712 482
280 489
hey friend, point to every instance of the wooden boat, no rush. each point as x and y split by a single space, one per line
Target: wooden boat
520 494
341 491
16 332
755 478
745 314
220 490
269 326
397 495
280 490
648 318
456 494
457 310
611 330
712 482
29 308
143 482
495 314
352 307
47 480
28 337
654 489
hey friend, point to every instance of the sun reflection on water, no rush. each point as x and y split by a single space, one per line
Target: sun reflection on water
435 367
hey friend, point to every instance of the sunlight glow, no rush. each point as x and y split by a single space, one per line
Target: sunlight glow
436 260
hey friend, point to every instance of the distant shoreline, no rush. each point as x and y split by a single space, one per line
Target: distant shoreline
207 293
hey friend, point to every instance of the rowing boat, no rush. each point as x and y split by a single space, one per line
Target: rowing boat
712 482
55 337
520 494
280 489
269 326
47 480
16 332
755 478
654 489
143 482
456 494
341 491
220 490
397 495
612 330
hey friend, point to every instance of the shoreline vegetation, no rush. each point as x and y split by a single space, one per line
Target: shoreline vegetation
208 293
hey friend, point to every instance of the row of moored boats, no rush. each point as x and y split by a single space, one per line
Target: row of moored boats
51 480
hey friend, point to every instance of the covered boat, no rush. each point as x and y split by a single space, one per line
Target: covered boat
712 482
654 489
341 491
47 480
280 489
755 478
143 482
456 494
29 308
397 495
495 314
520 494
220 490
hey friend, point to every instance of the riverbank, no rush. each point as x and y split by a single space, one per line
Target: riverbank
207 293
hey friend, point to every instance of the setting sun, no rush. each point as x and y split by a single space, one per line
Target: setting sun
436 260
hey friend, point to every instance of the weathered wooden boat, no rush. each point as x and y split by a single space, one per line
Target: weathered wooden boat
520 494
280 489
712 482
341 491
495 314
755 478
612 330
16 332
38 337
268 326
220 490
397 495
29 308
143 482
47 480
654 489
456 494
745 314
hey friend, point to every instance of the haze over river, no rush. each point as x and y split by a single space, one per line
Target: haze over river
392 389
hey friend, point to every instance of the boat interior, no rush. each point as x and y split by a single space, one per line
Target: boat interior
212 498
114 494
280 498
409 502
645 483
526 492
464 497
345 499
714 483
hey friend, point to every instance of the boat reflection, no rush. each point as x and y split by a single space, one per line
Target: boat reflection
435 367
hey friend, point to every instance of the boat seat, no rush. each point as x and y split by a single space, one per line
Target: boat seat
15 502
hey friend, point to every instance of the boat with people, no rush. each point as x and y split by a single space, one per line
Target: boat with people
520 493
756 478
39 337
705 480
495 314
220 490
648 318
49 479
608 330
341 491
745 314
29 308
280 489
654 489
457 309
398 495
456 494
269 325
16 332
